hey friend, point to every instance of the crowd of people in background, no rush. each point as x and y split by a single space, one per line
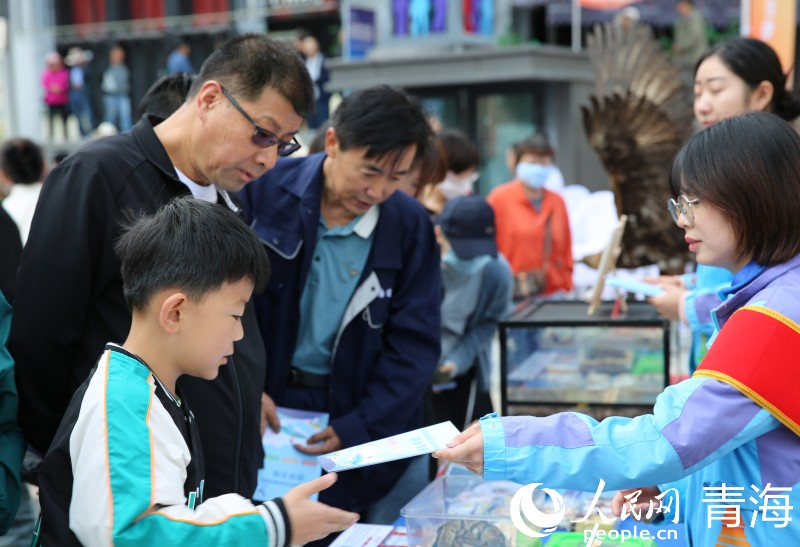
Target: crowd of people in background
388 276
98 93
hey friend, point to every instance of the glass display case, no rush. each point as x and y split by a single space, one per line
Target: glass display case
553 353
461 511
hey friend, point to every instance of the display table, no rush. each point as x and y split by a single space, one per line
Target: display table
554 354
461 509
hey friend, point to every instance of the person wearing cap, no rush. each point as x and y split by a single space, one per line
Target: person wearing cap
627 18
477 284
79 76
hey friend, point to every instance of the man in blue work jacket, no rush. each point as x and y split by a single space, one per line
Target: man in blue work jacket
351 315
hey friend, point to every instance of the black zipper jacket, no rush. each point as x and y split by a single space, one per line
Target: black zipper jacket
69 304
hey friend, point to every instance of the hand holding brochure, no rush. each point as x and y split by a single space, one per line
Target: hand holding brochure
406 445
284 466
631 285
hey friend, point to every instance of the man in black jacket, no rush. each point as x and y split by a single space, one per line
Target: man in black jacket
239 116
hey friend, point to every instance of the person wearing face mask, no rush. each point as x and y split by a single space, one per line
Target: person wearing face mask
532 223
454 186
731 78
462 171
731 433
476 286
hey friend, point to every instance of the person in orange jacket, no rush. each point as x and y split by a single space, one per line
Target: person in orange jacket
532 223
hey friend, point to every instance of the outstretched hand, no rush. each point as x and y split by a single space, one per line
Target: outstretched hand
311 520
668 304
466 449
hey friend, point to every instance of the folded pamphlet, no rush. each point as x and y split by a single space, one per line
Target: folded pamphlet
631 285
284 466
406 445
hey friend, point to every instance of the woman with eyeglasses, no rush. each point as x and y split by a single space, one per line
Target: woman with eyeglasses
724 446
736 76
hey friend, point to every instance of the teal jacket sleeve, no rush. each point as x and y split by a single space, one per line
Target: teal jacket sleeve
698 305
704 296
12 445
129 468
574 451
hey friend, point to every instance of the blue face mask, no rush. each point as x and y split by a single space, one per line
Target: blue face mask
533 175
462 266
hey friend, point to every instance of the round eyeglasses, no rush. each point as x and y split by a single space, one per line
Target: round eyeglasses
684 206
263 138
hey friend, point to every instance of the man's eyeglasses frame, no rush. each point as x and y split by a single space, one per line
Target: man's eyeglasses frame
264 138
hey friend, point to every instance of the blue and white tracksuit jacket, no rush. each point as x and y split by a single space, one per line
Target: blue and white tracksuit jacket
702 434
125 468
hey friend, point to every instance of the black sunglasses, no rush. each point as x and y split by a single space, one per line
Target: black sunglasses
264 138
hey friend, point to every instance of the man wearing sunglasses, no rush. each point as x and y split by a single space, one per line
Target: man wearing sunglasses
240 114
351 315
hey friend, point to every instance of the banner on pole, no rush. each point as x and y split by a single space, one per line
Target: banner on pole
774 22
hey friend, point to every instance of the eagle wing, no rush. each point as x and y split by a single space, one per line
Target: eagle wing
638 118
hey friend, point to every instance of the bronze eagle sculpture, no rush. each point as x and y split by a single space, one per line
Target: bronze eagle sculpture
639 117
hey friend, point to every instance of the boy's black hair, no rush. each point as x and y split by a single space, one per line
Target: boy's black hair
166 95
22 161
250 63
386 120
191 245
